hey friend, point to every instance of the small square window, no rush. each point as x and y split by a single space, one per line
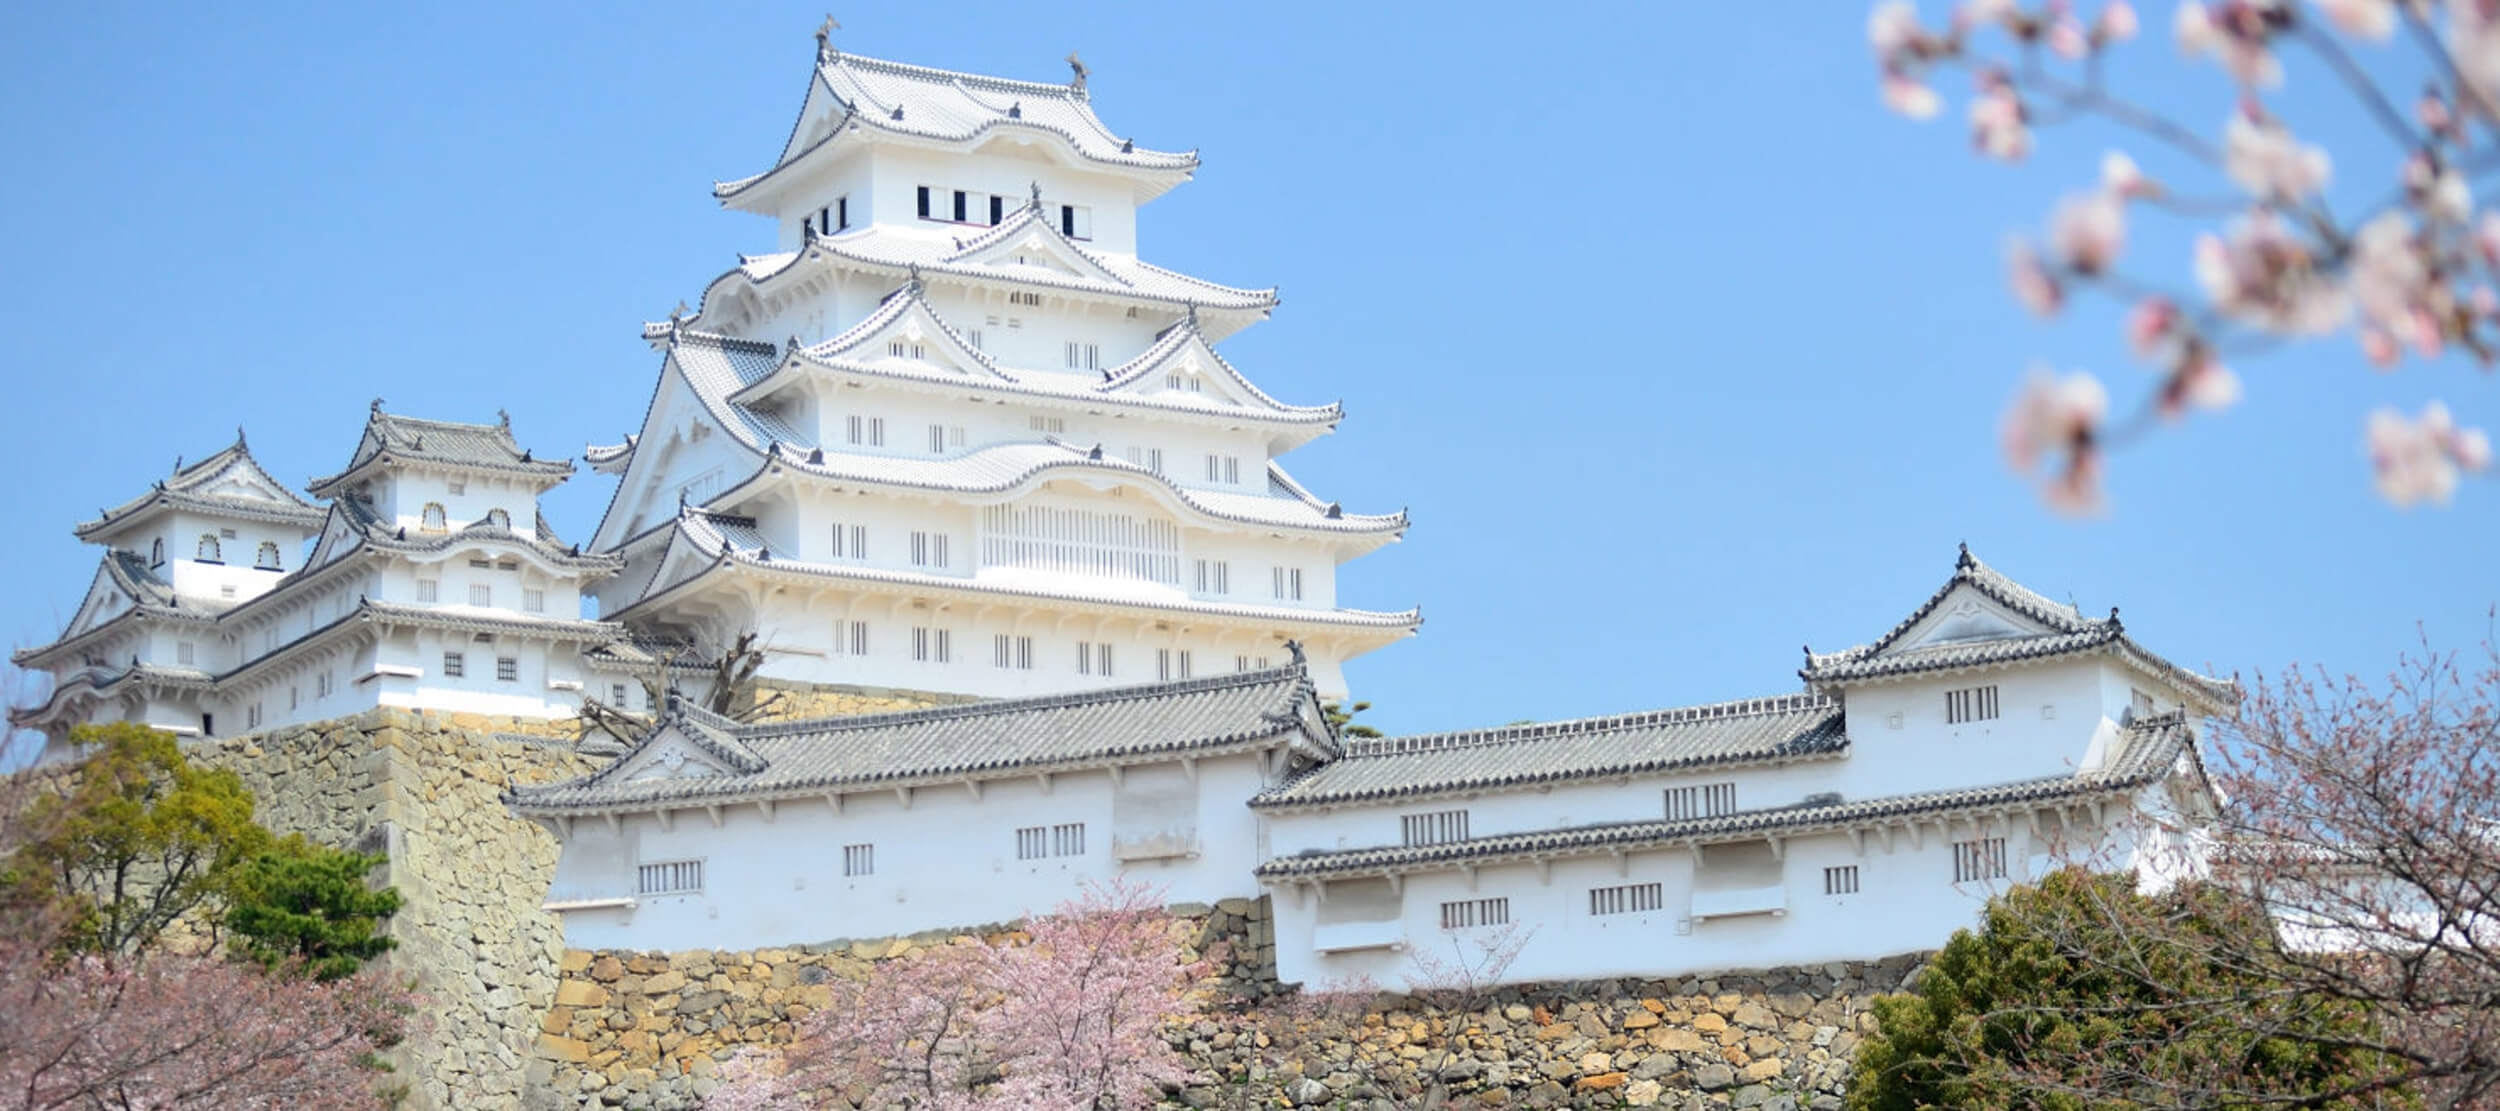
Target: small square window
454 665
507 669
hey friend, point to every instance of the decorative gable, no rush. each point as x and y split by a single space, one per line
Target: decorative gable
906 335
1027 243
1965 616
670 754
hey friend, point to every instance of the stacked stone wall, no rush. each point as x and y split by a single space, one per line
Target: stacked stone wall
649 1030
796 701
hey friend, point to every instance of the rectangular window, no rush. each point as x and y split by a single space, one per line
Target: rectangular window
458 488
1215 576
1983 859
930 645
1708 800
616 695
294 699
321 685
924 202
186 653
972 336
674 877
1630 898
859 860
533 599
1170 664
1287 582
1093 658
1056 426
904 350
1081 542
1470 913
2140 702
1439 827
1084 356
1032 842
1013 652
1067 839
1842 880
937 439
429 590
960 208
850 542
866 431
1030 300
1970 704
481 594
928 549
1150 458
251 716
454 665
507 669
1224 468
998 209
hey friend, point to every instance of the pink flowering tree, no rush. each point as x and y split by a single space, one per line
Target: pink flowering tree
2409 277
1072 1019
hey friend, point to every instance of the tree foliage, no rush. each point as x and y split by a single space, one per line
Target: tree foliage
309 908
138 839
1341 717
2082 993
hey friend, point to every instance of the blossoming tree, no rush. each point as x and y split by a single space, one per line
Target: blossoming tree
2411 275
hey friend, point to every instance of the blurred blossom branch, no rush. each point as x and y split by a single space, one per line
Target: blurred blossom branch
2412 274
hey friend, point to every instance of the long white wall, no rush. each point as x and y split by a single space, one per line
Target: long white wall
945 860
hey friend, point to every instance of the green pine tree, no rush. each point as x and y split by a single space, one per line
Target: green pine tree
309 906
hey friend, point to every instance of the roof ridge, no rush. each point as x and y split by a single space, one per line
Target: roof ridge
992 707
996 84
1536 731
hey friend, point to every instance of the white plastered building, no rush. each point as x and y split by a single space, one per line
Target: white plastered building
1990 735
955 435
225 603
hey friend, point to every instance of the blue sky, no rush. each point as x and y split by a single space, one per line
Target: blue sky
1681 350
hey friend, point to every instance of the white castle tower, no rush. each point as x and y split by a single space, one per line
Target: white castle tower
955 435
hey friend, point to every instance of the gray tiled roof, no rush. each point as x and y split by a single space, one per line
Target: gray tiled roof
1751 731
480 446
735 544
2068 632
192 487
974 741
2153 746
924 103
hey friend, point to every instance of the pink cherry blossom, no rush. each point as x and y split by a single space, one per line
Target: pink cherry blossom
2120 176
2151 325
2068 39
2199 381
1893 27
2031 281
2266 276
2379 347
2261 155
1910 97
2052 414
2438 189
2408 458
1997 124
2374 19
1981 13
2474 44
2118 22
2088 231
2237 33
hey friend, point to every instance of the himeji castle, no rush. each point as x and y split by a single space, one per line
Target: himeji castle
226 603
1991 735
956 435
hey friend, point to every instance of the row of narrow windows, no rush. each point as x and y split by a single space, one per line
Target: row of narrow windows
685 877
972 206
1973 860
1018 652
1072 541
433 518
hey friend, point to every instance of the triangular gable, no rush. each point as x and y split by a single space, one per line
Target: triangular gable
671 753
1965 615
106 599
1183 367
341 533
905 333
1028 241
233 473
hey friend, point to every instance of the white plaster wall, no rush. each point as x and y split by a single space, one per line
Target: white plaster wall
947 860
1907 901
2050 717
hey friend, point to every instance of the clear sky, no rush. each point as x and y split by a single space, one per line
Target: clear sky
1682 351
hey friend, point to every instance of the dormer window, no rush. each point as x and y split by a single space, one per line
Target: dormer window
208 551
267 558
496 518
433 518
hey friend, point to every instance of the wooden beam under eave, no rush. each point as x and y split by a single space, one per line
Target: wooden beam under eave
615 826
833 799
973 787
765 806
1042 778
713 810
667 819
903 795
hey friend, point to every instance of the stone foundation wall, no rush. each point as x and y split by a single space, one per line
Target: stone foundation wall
426 788
648 1030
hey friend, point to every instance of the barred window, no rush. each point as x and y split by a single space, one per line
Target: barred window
929 645
850 541
1467 913
1707 800
1013 652
673 877
1067 839
850 637
928 549
1970 704
533 599
1093 658
1081 542
1630 898
267 559
1437 828
1032 842
508 669
1842 880
481 594
1983 859
454 665
859 860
